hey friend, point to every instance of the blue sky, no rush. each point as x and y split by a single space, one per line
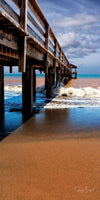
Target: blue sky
76 25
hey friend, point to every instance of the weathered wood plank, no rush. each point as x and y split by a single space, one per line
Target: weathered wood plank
55 48
8 55
37 12
8 43
9 10
6 22
22 40
51 35
32 52
17 2
46 37
22 54
51 44
44 50
35 24
23 14
34 34
50 49
7 62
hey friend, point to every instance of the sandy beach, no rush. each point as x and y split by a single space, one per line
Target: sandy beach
55 155
49 100
49 168
15 81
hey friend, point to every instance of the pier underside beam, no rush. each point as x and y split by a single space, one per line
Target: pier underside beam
27 91
1 90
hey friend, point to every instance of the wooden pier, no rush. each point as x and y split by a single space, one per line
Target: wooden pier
27 41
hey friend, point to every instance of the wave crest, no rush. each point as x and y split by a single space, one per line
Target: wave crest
80 92
17 89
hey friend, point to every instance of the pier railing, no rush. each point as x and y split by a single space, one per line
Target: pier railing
27 15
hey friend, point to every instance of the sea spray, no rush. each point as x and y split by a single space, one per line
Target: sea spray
80 92
66 97
70 97
17 89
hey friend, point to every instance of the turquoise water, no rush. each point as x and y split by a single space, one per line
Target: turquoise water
88 76
20 75
43 75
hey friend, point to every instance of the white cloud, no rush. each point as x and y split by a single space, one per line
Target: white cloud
66 39
77 20
76 25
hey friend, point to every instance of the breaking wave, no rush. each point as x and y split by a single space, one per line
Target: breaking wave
17 89
75 98
87 92
66 97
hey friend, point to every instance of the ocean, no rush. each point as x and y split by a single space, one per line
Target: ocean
81 92
75 107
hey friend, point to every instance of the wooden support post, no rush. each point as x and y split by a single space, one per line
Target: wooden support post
46 67
60 75
27 91
46 76
59 54
46 36
57 77
63 71
55 48
53 79
48 82
69 75
53 74
10 69
22 39
22 53
54 61
34 83
75 73
1 90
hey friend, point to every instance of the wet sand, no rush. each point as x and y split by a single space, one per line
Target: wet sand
87 82
15 81
39 161
49 168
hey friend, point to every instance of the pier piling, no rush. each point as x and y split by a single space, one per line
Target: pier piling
27 91
1 90
34 83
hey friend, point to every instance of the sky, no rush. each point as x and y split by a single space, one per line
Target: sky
76 25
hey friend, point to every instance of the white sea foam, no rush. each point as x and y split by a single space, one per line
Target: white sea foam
17 89
72 102
80 92
65 97
75 97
